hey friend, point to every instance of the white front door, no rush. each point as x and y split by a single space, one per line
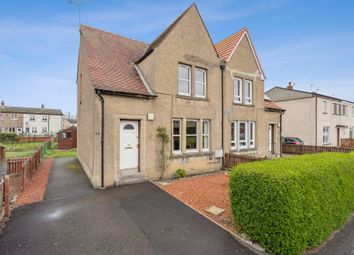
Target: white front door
129 147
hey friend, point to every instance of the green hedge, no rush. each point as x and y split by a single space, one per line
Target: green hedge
291 204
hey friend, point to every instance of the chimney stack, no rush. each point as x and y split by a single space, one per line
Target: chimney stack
42 106
290 86
2 103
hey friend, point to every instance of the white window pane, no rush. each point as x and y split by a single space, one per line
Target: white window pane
183 87
205 142
205 127
236 87
199 90
176 127
183 72
200 75
191 127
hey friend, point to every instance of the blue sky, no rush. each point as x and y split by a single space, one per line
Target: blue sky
307 42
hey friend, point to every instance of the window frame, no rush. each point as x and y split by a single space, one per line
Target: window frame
45 130
239 101
34 130
234 128
252 127
324 106
207 135
44 118
246 135
14 116
2 116
182 79
189 135
179 135
325 134
248 99
32 117
203 84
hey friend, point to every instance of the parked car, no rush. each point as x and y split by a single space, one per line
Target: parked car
292 140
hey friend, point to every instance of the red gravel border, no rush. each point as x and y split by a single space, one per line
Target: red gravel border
35 188
201 192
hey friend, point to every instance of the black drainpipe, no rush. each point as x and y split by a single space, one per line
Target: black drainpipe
222 67
98 92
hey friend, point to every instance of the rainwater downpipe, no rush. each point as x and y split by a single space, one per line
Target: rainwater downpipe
98 92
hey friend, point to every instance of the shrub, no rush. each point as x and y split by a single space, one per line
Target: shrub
180 173
291 204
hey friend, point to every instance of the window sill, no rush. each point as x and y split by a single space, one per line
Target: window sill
243 104
191 154
192 98
244 150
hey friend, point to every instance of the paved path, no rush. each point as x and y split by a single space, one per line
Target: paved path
132 219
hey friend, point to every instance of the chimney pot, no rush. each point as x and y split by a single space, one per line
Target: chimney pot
42 106
290 86
2 103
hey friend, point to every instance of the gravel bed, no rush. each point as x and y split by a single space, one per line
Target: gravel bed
201 192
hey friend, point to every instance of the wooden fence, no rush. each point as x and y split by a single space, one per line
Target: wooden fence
232 160
2 153
310 149
33 139
347 143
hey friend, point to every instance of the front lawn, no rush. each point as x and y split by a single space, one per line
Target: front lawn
56 153
20 150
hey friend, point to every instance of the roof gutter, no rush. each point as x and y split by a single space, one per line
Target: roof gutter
125 94
99 94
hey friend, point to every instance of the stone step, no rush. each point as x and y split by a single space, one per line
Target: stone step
131 179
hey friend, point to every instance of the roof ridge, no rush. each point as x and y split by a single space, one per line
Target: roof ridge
118 35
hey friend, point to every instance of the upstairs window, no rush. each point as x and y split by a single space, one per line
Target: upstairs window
325 106
32 118
2 116
192 136
200 83
14 116
176 136
353 111
237 90
184 80
248 92
206 134
45 118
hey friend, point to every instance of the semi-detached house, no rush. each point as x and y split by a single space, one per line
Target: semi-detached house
208 98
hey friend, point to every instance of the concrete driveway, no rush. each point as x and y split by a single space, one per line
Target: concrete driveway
132 219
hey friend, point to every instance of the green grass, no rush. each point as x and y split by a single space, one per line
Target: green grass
55 153
18 154
21 146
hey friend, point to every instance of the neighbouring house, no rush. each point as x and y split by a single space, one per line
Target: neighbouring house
69 122
315 118
67 138
30 121
208 99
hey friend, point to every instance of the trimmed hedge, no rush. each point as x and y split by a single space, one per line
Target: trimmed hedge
291 204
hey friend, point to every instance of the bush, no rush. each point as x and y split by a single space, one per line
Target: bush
8 137
180 173
291 204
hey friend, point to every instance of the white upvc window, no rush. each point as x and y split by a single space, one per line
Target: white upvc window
14 116
248 92
34 130
184 80
45 118
325 106
2 116
206 135
242 135
325 135
234 135
237 90
176 136
44 129
192 136
352 111
200 83
252 134
351 132
32 118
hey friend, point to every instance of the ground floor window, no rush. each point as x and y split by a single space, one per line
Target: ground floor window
34 130
192 136
176 136
243 135
351 132
325 135
205 134
44 129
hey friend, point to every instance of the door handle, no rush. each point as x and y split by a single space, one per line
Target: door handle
128 147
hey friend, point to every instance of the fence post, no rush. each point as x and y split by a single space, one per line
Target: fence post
6 196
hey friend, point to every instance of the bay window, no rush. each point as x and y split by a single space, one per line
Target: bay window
184 80
237 90
243 135
192 136
176 136
200 83
248 92
206 134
